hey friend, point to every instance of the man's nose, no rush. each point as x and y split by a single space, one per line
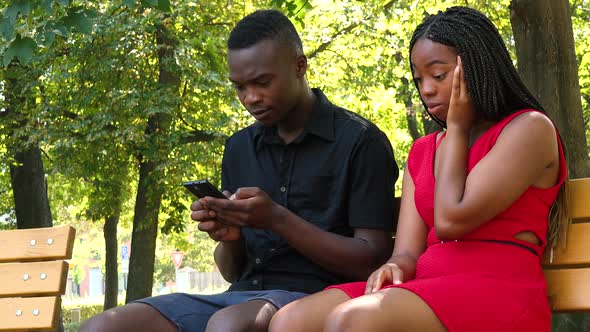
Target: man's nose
252 97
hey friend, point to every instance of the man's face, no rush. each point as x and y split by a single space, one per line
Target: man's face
266 78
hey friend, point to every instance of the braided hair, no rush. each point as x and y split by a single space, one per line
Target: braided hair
494 86
264 25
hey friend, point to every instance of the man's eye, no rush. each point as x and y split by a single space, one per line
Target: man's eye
264 83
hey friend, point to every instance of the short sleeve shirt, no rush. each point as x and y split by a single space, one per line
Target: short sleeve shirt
339 174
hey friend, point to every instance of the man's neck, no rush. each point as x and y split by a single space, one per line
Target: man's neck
293 124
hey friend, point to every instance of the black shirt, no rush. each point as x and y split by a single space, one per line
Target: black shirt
339 174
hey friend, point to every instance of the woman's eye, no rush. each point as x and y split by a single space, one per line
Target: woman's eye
417 80
440 77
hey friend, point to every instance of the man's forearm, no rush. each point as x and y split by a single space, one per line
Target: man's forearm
230 258
353 258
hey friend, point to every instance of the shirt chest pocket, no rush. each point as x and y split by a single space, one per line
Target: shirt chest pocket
313 193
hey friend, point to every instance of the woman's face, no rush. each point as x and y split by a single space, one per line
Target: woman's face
433 65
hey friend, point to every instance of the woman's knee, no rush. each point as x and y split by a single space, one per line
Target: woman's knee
248 317
288 318
345 317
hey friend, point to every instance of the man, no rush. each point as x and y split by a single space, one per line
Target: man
311 195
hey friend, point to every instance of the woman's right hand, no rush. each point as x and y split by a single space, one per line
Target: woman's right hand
388 272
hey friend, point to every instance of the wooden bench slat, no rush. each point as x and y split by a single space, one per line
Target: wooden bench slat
577 250
568 289
26 279
46 318
579 198
49 244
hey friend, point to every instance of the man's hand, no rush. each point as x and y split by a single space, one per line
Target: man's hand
250 207
208 222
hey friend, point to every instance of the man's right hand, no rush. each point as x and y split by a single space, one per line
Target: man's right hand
208 222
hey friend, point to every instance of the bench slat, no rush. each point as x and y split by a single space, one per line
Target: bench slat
568 289
46 319
579 198
37 244
33 279
577 251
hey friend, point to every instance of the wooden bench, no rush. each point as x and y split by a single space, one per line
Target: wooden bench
33 277
568 270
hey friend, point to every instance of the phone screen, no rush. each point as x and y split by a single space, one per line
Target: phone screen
202 188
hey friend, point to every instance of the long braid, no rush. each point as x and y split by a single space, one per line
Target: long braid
494 86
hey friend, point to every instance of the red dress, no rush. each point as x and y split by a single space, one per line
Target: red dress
480 282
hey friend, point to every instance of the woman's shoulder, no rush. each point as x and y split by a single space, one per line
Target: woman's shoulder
530 122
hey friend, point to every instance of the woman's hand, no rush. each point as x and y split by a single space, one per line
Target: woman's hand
461 111
388 272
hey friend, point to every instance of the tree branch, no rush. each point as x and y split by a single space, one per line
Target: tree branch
200 136
346 30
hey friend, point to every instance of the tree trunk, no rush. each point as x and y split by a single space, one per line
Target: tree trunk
111 271
149 192
27 175
547 63
29 188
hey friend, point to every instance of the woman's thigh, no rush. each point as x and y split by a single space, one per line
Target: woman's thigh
309 313
392 309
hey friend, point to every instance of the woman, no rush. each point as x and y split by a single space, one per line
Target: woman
476 201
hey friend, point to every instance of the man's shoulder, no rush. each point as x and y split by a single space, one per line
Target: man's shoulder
244 135
353 121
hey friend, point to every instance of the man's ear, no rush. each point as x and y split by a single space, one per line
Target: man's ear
301 65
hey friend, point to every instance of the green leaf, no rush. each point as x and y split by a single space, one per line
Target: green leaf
57 29
21 48
149 3
164 5
47 6
49 37
6 28
79 21
18 6
130 3
64 3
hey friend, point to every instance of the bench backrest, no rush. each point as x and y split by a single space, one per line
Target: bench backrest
567 270
33 276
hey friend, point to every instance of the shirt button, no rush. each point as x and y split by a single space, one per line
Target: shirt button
258 261
283 189
254 282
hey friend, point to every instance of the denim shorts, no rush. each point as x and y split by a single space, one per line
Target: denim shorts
190 313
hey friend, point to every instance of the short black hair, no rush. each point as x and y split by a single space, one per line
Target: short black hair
263 25
494 86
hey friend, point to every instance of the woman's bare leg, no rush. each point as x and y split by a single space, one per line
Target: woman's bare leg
309 313
393 309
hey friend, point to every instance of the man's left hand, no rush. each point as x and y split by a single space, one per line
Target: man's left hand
250 207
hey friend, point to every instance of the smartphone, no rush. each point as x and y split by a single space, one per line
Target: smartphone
202 188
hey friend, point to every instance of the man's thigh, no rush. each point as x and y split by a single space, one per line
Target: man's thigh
190 313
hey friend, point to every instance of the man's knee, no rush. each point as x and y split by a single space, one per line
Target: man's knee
131 317
248 317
